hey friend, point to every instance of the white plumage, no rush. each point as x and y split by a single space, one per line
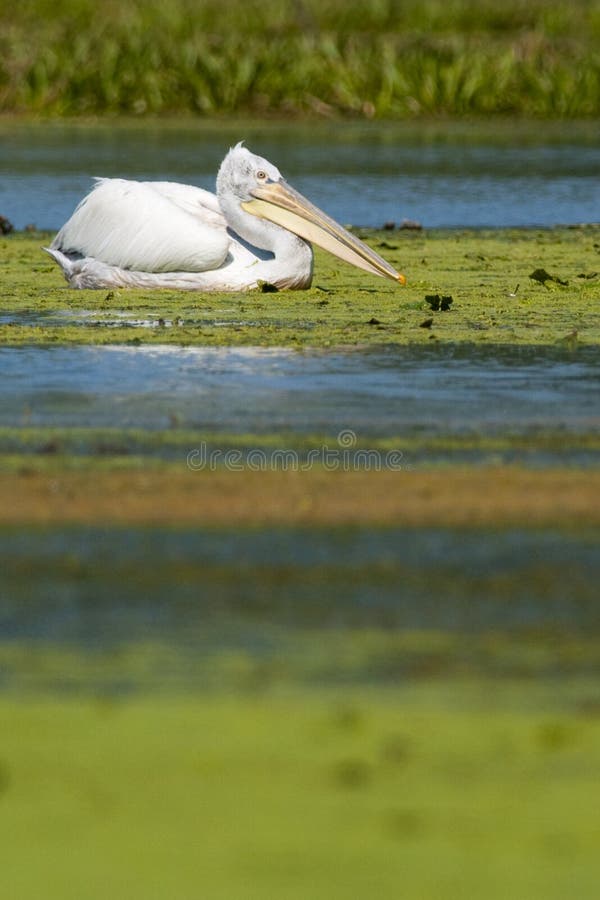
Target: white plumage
132 224
161 234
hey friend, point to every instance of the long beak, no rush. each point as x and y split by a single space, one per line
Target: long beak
281 204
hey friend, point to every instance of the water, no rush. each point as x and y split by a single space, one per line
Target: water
102 586
390 391
123 609
364 176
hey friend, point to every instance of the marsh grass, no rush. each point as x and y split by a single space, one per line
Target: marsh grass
384 59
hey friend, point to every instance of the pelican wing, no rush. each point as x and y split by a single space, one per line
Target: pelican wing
148 227
193 200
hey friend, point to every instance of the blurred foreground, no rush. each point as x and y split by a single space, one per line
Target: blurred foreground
445 789
299 712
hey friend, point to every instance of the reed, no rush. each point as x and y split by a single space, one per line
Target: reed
386 59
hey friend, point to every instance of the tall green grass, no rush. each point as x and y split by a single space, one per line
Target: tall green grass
384 58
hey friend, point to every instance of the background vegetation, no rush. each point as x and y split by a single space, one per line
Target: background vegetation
384 58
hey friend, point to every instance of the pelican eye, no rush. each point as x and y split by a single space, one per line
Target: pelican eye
262 176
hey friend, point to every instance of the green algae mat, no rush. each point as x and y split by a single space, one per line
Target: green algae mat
426 791
486 287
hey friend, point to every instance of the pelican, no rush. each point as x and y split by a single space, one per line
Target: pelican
257 229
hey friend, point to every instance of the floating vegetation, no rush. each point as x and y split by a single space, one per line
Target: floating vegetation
439 303
541 276
327 795
470 273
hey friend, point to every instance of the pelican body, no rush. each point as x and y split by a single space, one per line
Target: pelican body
256 229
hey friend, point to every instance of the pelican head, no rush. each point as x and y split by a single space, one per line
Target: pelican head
248 185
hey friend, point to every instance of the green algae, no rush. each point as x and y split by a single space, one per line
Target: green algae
461 789
52 449
487 274
256 651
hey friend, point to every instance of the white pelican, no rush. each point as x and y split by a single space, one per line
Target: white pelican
256 229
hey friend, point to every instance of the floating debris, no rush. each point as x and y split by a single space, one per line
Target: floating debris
266 287
542 277
50 447
437 302
6 226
